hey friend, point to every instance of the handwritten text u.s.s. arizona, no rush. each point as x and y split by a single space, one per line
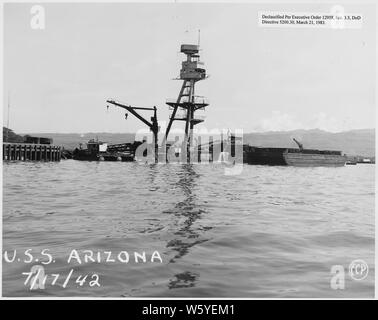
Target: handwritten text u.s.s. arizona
46 256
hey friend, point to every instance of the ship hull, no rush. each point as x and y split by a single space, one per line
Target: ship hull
265 156
314 160
82 155
293 157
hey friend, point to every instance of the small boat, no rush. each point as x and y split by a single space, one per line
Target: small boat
98 151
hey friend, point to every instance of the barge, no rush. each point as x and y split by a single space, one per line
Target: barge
293 157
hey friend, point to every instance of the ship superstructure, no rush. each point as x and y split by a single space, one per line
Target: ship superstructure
187 103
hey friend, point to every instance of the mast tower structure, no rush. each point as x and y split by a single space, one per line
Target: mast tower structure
187 101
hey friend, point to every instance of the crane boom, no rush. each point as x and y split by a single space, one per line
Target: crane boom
300 145
153 125
132 111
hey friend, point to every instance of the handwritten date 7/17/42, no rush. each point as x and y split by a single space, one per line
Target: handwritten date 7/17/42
36 278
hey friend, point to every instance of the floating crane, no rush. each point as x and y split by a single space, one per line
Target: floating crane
152 124
300 145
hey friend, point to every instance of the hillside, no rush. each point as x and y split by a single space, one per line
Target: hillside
354 142
10 136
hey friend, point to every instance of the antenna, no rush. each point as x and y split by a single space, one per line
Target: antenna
199 37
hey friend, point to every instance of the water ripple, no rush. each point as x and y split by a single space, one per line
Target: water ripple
269 232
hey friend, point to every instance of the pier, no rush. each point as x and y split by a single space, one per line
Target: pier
31 152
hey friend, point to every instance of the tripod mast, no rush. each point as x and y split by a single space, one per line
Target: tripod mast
187 101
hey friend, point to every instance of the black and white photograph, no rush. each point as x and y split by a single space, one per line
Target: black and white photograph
188 150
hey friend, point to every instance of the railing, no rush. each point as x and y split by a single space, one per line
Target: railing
182 115
199 117
197 100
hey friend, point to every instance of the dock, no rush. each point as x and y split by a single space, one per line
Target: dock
31 152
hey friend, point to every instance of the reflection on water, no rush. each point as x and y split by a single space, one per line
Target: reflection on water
185 213
269 232
183 280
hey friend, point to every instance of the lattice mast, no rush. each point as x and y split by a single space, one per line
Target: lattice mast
187 101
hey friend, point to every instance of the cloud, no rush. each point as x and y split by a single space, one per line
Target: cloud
279 121
325 122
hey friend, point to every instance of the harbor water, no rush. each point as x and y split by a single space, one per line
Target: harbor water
267 232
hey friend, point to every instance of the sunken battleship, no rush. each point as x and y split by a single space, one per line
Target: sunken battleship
185 108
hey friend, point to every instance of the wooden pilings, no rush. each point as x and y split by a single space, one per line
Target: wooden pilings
31 152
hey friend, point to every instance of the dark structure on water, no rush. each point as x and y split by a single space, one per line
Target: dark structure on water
184 108
31 152
28 148
293 157
100 151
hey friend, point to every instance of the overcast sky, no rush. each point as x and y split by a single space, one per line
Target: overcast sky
261 79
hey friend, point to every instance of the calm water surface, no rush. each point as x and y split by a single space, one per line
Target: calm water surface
269 232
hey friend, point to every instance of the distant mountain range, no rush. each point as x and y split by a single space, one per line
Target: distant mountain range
353 142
